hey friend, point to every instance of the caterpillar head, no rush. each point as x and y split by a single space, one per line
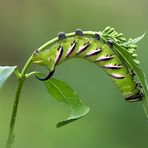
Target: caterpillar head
44 58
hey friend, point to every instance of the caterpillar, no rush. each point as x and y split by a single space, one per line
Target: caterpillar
92 47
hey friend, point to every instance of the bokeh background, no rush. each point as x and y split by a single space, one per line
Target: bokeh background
111 122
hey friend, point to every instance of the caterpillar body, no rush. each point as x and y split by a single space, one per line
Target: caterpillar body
93 47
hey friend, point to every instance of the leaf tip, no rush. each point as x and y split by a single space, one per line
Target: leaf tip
71 119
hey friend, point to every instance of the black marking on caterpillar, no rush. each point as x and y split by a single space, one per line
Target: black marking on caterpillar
79 32
93 52
82 48
61 35
59 54
136 97
117 76
70 49
104 58
112 66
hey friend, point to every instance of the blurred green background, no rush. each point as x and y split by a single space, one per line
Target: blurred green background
111 122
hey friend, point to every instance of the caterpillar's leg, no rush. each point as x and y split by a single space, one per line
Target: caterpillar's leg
47 77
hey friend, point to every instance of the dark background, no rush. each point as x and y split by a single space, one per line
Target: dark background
111 122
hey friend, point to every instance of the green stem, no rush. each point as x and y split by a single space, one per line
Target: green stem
14 113
21 79
32 73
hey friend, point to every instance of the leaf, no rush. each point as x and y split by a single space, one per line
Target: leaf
5 72
133 41
64 93
140 75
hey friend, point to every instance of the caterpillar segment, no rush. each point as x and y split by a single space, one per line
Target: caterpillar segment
94 49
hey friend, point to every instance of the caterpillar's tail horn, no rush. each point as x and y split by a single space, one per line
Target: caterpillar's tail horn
47 77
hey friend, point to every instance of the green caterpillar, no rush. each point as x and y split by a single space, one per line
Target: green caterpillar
95 48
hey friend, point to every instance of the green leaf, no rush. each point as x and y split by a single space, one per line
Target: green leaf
140 75
5 72
133 41
64 93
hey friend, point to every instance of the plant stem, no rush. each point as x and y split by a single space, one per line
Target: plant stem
21 80
14 113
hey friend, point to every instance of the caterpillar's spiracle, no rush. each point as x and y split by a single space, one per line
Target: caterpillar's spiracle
93 48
